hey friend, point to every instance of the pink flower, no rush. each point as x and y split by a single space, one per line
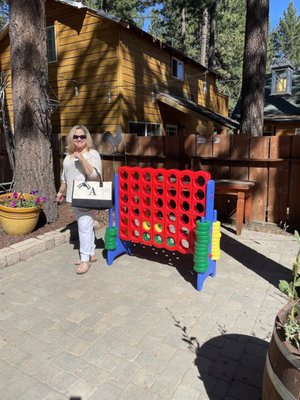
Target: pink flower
15 195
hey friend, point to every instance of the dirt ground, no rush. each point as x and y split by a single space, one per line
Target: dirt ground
65 218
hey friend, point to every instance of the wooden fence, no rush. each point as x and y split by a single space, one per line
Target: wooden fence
272 162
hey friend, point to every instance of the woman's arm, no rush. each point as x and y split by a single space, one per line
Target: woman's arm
61 192
89 165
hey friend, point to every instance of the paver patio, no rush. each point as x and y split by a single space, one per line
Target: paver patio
139 329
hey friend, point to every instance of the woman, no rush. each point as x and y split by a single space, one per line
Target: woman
79 164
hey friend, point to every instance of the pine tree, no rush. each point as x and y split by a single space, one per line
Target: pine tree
178 22
3 13
254 67
128 10
285 37
32 124
228 60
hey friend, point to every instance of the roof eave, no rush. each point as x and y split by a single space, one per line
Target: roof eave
181 104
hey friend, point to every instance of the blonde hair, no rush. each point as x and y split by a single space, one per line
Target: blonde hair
70 143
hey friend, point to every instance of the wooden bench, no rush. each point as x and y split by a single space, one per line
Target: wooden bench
242 189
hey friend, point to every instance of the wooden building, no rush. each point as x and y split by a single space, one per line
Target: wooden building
105 73
282 100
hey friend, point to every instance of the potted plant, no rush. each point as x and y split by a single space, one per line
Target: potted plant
19 212
282 369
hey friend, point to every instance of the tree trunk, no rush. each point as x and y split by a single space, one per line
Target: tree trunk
203 37
183 30
254 67
8 135
212 36
32 124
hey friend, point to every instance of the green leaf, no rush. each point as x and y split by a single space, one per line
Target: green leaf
297 309
296 234
295 269
285 288
297 283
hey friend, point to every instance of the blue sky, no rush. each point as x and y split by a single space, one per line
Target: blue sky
277 7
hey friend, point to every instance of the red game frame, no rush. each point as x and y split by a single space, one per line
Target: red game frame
159 207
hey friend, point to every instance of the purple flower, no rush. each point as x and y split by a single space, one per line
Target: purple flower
16 200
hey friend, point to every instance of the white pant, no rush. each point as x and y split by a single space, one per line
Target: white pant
85 220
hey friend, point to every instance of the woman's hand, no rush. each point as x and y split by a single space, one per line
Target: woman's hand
59 197
88 169
78 155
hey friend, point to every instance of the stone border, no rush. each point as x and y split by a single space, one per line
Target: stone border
21 251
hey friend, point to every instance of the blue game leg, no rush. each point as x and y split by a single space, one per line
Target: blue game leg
122 246
202 276
200 279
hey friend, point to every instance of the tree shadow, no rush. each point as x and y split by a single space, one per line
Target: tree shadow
229 365
233 365
263 266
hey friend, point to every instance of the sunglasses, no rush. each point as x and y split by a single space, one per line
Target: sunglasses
76 137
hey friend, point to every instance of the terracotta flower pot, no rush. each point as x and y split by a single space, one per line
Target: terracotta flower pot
18 220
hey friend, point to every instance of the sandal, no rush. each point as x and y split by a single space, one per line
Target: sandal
82 268
93 259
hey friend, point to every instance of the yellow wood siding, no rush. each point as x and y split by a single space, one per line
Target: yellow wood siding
5 68
87 60
114 71
150 71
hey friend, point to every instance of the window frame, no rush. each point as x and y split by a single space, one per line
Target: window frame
146 125
172 126
178 63
52 28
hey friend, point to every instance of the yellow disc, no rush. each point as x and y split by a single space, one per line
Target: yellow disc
146 225
158 227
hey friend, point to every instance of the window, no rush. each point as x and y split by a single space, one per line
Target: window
297 131
171 130
177 69
51 44
145 128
